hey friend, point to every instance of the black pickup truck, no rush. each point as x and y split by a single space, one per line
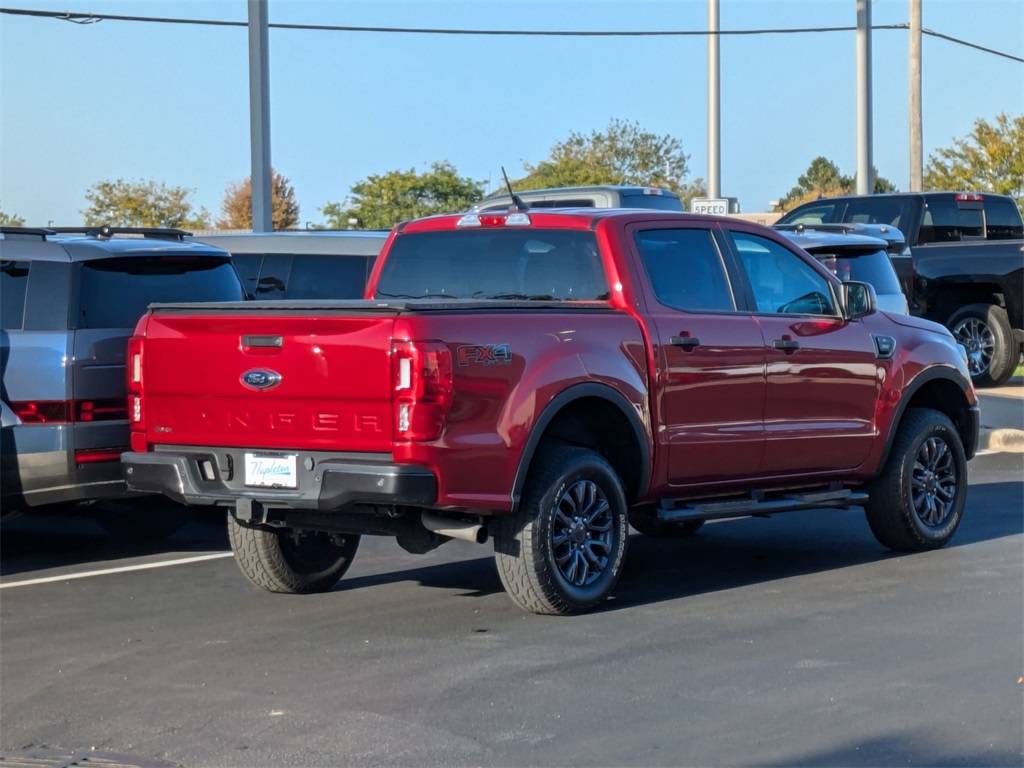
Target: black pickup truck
966 268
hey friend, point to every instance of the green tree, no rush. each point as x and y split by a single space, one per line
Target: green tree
823 179
237 205
11 220
142 204
989 159
380 202
623 154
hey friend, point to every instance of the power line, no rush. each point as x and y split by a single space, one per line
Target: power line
958 41
93 18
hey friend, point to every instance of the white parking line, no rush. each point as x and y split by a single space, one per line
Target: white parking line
124 569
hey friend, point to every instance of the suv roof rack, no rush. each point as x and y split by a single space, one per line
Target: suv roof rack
106 232
26 232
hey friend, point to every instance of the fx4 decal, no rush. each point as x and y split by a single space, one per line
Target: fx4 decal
485 354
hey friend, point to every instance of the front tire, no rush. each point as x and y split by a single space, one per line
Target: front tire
563 550
984 330
917 502
288 561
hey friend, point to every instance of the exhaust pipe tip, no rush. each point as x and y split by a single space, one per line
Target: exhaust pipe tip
454 529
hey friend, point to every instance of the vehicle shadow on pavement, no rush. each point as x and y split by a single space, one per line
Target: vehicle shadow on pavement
739 553
901 748
34 542
730 554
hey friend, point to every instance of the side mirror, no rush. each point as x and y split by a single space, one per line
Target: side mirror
859 299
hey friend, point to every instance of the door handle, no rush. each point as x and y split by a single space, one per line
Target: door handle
686 342
786 345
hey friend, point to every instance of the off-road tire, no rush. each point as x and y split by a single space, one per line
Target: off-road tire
562 551
984 330
645 522
281 560
147 518
916 503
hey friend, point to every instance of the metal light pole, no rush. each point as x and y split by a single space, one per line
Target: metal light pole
259 117
865 184
714 106
916 151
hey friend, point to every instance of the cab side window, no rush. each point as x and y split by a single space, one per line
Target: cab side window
782 282
685 269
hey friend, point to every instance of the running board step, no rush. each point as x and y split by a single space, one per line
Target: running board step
758 505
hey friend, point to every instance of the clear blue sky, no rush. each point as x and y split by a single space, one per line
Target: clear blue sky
81 104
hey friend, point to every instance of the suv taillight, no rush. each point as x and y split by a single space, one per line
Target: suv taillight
423 388
136 411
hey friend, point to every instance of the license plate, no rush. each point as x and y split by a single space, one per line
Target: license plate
271 470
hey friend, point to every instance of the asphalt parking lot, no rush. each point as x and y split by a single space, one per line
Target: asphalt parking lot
790 641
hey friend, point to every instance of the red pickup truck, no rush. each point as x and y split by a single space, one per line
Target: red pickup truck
547 379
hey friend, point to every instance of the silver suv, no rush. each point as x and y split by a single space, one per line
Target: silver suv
609 196
69 300
860 252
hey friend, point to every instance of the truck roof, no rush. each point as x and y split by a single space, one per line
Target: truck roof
560 218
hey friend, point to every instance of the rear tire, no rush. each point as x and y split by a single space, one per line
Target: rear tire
289 561
984 330
916 504
563 550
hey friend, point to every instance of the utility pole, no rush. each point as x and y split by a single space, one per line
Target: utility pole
916 151
865 184
714 108
259 117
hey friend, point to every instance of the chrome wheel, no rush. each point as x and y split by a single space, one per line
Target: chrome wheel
977 339
582 533
934 482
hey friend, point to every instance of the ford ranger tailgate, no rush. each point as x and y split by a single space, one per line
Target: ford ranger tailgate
269 379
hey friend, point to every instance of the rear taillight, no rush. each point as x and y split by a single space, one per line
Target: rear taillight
112 409
95 455
136 412
43 411
423 388
67 411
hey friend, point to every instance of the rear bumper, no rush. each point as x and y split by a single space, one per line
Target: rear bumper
38 468
326 482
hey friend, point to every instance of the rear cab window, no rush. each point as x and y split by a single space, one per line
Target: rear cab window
945 220
506 263
138 281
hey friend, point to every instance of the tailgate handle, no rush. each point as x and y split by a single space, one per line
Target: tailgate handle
263 341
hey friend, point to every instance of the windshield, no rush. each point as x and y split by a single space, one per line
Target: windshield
505 263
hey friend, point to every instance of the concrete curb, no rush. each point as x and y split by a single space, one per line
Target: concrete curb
1004 440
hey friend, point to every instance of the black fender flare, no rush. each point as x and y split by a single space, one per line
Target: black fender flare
552 409
935 374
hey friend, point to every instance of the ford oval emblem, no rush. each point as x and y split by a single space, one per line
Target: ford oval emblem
260 378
